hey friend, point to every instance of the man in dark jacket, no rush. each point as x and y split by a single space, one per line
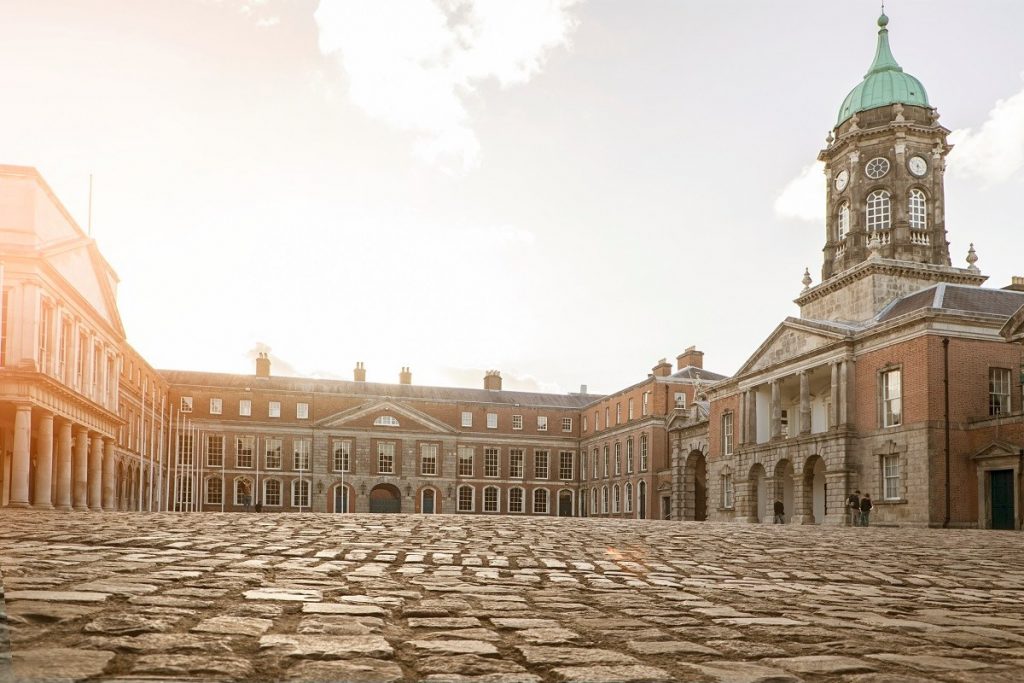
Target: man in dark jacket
853 505
780 512
865 509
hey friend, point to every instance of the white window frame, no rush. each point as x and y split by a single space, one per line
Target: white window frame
237 490
541 464
274 409
386 456
891 476
566 424
727 433
878 211
1000 389
516 506
565 471
245 407
460 505
216 406
843 221
467 418
279 493
302 411
680 398
492 420
618 413
386 421
891 403
629 455
244 442
302 450
517 422
220 492
629 409
627 496
185 404
728 493
300 493
465 461
492 462
643 453
210 451
917 210
616 499
516 463
618 458
428 459
272 450
540 501
486 504
542 423
646 403
341 454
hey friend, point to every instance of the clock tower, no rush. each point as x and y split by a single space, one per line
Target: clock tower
885 221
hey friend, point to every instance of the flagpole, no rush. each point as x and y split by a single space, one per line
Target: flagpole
177 460
142 450
152 431
160 457
256 488
199 479
223 457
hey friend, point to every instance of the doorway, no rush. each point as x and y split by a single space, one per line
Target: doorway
385 498
428 502
340 499
564 504
1001 499
641 499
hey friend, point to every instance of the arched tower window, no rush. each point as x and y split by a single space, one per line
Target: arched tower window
843 221
918 206
879 211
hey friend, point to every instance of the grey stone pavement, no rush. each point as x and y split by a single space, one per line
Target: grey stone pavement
133 597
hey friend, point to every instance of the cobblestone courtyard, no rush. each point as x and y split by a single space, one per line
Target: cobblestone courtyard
122 596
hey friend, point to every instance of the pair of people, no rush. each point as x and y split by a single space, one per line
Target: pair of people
859 507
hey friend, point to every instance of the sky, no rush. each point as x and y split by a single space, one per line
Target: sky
565 191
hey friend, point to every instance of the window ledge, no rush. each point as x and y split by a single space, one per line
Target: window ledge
890 501
730 508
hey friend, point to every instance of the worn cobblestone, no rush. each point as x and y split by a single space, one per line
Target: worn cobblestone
388 598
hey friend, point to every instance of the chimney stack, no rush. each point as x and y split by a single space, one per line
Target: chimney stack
492 380
690 357
662 369
359 374
405 376
1016 284
262 365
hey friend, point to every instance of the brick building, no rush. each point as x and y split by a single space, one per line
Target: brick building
852 393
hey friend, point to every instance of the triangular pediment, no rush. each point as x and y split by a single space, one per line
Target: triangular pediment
1013 330
791 339
997 449
75 264
370 416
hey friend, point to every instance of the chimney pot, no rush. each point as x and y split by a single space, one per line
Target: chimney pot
690 357
359 374
662 369
262 365
1016 284
492 380
405 376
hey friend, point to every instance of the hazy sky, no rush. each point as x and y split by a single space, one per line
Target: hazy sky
566 192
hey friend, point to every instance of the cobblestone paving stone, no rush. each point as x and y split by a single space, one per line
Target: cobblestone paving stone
132 597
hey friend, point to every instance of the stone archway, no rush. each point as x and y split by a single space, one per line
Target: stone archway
385 498
815 491
565 503
430 501
784 487
342 498
758 484
695 487
641 499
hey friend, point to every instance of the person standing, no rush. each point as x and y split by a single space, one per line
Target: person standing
780 512
865 509
853 504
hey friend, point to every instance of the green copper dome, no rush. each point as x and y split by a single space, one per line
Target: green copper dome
885 82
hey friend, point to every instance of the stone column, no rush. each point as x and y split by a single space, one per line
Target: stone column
838 488
96 474
776 412
805 403
844 392
81 469
64 466
833 413
44 464
742 419
109 476
801 513
21 459
677 480
752 416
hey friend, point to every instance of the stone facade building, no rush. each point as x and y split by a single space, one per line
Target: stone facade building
895 378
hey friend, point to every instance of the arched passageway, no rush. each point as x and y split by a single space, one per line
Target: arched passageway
784 487
385 498
695 487
757 480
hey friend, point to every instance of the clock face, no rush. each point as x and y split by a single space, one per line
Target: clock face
917 166
877 168
842 178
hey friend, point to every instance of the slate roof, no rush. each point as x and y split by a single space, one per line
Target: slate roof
376 389
694 373
1001 302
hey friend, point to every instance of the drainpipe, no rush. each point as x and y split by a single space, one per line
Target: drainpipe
945 391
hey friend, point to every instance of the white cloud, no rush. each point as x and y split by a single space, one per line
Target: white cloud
994 152
411 63
804 196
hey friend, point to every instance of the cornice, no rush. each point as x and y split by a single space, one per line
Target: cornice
947 274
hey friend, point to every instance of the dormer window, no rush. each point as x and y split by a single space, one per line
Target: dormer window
918 205
386 421
879 211
843 221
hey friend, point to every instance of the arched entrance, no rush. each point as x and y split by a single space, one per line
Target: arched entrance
565 503
641 499
429 502
814 488
341 498
695 487
758 492
385 498
784 487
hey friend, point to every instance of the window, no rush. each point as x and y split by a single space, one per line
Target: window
594 509
607 417
629 409
465 499
565 465
583 465
618 458
586 425
517 422
540 501
604 500
606 461
566 424
616 499
465 461
680 399
428 459
302 411
515 500
918 215
186 404
216 406
891 477
727 499
243 451
629 455
300 493
515 463
386 458
645 405
540 464
491 499
998 391
643 452
342 451
597 421
877 167
727 433
618 413
490 462
243 490
214 491
596 460
492 420
879 214
273 452
386 421
215 451
184 491
186 449
843 221
892 413
300 454
784 423
244 407
272 492
542 423
274 409
467 419
627 495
